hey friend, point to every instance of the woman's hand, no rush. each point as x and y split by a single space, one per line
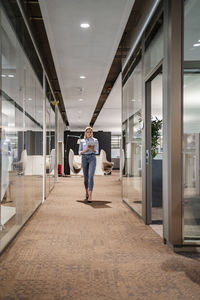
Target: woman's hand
85 150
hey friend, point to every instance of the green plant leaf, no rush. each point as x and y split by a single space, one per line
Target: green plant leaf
156 125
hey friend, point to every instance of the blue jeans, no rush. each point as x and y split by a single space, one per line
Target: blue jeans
89 166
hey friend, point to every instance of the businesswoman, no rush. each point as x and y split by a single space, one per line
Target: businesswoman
88 148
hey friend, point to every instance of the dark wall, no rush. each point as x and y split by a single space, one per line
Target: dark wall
70 141
33 142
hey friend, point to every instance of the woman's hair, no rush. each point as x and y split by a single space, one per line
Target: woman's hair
87 129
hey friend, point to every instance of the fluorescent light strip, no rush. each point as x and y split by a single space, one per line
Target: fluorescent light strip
84 25
141 33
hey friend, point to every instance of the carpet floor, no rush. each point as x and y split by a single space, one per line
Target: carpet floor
101 251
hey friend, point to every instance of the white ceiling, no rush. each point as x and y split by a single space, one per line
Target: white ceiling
110 115
87 52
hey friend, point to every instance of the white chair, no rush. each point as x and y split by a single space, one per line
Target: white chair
75 167
106 165
21 164
50 163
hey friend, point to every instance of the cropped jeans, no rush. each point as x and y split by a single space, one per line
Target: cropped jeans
89 166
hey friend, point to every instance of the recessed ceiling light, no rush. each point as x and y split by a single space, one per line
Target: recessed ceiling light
85 25
30 99
11 75
82 77
196 45
133 100
80 100
3 75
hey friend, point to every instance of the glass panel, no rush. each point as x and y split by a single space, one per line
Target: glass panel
33 138
132 140
52 148
60 131
156 147
50 142
154 52
21 133
191 121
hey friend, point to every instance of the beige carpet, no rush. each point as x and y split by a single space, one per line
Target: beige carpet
72 250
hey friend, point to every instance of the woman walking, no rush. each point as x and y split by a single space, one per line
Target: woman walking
88 148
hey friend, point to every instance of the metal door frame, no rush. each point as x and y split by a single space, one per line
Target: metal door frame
147 160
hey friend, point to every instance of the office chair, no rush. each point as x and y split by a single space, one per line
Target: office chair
21 164
50 164
106 165
75 167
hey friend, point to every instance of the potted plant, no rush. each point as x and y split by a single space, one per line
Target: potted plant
156 125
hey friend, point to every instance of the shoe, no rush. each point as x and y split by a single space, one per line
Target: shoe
89 201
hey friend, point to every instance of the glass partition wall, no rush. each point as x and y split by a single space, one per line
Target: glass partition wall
191 122
153 55
132 140
50 142
169 93
21 135
138 123
21 129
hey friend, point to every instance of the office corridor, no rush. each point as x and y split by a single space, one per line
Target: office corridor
99 251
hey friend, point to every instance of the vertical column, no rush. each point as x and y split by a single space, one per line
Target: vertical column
56 144
19 194
44 138
146 143
1 227
144 179
172 122
197 152
148 158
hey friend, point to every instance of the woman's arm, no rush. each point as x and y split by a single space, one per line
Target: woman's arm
81 150
84 150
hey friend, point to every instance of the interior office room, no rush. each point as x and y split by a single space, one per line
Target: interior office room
129 69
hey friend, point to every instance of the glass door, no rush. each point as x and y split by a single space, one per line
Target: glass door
154 150
191 123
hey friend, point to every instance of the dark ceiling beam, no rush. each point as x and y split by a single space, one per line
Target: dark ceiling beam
27 2
31 2
35 20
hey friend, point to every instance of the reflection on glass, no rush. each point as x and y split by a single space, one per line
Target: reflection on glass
156 148
132 140
191 122
50 143
154 52
20 136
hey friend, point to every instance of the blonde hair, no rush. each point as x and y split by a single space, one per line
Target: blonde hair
87 129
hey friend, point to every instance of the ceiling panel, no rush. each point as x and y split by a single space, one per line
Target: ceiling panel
88 52
109 118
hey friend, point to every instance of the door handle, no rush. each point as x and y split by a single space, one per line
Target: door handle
147 157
